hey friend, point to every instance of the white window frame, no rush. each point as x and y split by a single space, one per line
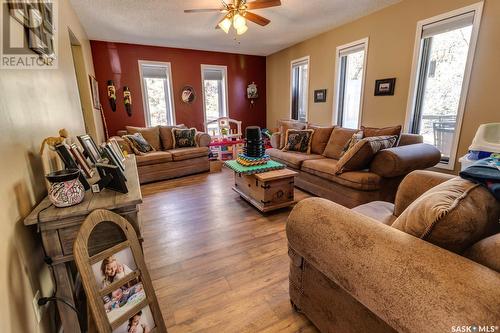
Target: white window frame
225 109
477 8
308 60
364 41
144 89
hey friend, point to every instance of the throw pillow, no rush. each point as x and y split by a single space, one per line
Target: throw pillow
183 138
339 138
139 145
285 125
166 137
298 140
374 131
355 138
452 215
362 153
320 138
151 134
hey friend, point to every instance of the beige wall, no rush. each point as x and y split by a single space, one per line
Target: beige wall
33 104
392 35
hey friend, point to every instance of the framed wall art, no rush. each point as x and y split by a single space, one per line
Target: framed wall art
320 96
385 87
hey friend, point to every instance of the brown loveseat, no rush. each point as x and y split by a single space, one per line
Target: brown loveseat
166 162
351 188
428 263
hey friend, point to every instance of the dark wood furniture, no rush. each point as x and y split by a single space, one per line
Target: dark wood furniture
59 227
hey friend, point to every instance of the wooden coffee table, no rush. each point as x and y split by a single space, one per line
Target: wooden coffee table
267 191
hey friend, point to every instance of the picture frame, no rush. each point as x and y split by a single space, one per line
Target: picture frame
385 87
144 310
188 94
91 150
112 157
320 96
82 161
111 177
70 163
117 149
94 86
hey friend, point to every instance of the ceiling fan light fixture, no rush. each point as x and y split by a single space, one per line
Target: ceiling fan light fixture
239 21
242 30
225 25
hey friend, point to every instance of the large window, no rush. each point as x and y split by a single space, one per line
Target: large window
156 80
443 61
351 61
299 88
214 79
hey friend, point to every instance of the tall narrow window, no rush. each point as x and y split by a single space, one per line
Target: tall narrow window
445 48
156 80
351 61
214 94
300 87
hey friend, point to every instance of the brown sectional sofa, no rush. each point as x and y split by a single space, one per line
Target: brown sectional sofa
351 188
166 162
368 269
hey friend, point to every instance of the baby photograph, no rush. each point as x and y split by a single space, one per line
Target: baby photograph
120 300
114 268
141 322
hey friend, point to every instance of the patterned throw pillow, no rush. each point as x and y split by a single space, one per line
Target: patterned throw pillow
361 154
138 143
184 138
298 140
355 138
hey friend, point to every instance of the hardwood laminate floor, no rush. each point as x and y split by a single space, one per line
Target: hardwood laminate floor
217 264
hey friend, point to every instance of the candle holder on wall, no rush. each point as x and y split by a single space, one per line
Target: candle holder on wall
127 100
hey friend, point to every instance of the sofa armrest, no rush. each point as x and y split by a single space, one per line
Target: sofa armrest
202 139
412 285
399 161
275 140
414 185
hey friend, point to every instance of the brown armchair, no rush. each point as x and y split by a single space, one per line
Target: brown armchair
351 271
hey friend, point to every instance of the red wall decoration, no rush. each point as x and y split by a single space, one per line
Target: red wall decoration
119 62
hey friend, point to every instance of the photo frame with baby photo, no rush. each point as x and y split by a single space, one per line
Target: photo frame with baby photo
116 281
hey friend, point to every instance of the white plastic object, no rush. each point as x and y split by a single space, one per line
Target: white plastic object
465 162
487 138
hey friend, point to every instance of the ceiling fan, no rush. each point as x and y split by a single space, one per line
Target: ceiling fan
236 13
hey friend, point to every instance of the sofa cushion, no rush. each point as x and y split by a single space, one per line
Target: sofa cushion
167 141
361 154
374 131
151 134
486 252
154 157
320 138
381 211
291 159
285 125
355 138
325 168
337 141
453 215
138 144
298 140
180 154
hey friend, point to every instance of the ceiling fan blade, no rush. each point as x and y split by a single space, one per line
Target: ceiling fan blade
207 10
263 4
256 19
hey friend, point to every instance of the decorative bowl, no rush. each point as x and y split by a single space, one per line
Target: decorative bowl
65 188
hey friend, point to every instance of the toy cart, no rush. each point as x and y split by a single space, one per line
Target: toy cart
227 141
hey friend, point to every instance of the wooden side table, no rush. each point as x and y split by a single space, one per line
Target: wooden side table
59 227
267 191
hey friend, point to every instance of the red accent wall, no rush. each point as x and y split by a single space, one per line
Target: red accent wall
119 62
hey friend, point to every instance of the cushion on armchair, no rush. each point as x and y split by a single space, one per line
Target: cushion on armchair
453 215
138 143
285 125
151 134
298 140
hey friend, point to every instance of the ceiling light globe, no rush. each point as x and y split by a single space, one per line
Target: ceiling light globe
239 21
225 25
242 30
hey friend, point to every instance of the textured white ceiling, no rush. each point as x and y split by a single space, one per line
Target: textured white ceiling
163 23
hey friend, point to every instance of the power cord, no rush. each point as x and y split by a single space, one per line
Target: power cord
48 260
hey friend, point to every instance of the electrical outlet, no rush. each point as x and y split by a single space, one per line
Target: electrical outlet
36 307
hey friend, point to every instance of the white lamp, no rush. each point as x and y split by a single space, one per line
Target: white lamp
242 30
239 21
225 25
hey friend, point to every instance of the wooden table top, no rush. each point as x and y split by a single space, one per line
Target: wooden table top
275 174
106 199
